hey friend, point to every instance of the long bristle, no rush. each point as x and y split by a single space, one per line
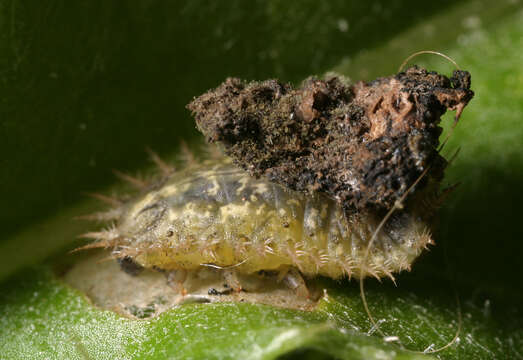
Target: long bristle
106 199
109 234
112 214
94 245
186 155
164 167
389 275
212 152
105 238
372 271
134 181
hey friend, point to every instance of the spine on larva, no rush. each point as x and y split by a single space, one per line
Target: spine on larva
216 213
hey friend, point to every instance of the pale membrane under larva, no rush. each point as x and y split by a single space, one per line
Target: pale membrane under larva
215 213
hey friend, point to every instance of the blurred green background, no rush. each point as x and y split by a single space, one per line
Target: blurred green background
85 86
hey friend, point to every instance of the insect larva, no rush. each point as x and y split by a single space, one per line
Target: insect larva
328 179
216 213
322 165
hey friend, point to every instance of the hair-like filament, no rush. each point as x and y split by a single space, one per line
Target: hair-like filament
398 205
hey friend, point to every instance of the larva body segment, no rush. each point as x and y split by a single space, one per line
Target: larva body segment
215 213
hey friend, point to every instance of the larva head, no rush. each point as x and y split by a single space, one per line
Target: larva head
142 224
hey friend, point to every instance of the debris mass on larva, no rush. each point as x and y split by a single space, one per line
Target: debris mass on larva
310 173
362 145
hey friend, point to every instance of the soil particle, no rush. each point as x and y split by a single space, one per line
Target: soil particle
362 144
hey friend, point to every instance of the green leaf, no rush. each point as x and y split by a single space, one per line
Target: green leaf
44 318
479 247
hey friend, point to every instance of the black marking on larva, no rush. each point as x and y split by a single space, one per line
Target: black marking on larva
129 266
397 221
151 214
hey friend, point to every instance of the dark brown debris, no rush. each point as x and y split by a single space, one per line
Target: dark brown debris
361 144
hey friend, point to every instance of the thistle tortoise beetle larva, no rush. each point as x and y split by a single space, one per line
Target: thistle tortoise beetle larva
216 213
324 164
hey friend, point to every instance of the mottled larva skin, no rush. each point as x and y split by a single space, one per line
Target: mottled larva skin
215 213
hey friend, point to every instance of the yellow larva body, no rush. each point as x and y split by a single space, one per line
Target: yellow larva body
215 213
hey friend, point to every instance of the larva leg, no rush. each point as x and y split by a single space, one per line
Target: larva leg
232 280
293 279
176 280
